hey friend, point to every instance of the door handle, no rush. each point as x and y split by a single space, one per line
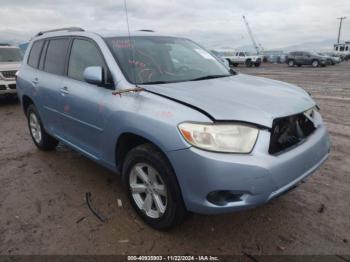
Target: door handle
35 82
64 90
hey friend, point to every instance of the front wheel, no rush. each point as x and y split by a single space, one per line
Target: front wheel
40 138
315 63
257 64
249 63
291 63
153 188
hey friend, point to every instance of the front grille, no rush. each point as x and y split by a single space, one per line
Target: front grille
290 131
2 87
9 74
12 86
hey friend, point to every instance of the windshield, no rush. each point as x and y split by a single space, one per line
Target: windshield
158 59
10 55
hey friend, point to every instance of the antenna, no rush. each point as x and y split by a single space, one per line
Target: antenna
131 45
137 88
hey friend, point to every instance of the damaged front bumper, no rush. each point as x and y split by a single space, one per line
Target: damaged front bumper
246 180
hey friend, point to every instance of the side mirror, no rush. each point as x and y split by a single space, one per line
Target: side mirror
93 75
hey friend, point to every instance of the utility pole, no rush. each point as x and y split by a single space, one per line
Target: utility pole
340 25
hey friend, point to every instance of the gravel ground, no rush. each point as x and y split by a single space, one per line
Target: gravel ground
43 208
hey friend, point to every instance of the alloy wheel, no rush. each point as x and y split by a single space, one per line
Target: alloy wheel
148 190
35 127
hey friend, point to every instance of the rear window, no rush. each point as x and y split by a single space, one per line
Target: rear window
35 52
56 56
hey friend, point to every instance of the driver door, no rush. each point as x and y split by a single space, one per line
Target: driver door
83 112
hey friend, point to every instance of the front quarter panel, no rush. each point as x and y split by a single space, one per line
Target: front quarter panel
150 116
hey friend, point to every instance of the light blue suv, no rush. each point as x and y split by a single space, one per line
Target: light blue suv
186 133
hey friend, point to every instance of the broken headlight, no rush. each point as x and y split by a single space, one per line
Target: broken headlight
228 138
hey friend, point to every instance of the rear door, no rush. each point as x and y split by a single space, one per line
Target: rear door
51 66
84 111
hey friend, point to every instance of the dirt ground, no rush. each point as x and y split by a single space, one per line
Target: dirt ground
43 208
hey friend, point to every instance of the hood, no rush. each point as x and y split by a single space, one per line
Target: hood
9 66
239 98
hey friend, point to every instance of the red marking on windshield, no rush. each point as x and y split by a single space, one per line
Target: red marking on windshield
123 43
137 63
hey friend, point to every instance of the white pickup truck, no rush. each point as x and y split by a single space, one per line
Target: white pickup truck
245 58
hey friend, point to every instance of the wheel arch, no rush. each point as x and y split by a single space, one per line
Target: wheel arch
26 102
129 140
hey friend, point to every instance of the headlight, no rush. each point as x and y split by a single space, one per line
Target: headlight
229 138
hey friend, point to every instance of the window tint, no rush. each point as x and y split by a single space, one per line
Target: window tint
34 55
84 54
55 56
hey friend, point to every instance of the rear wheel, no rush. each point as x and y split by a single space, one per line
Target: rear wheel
40 138
257 64
153 188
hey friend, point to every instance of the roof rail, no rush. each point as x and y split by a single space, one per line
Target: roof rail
68 29
147 30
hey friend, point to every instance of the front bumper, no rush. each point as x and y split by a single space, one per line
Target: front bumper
258 177
324 62
7 87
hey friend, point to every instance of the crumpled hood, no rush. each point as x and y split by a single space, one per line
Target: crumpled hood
239 98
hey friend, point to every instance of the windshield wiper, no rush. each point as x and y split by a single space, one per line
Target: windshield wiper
209 77
155 83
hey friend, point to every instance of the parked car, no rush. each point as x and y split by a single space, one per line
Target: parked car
274 56
10 60
305 58
190 136
244 58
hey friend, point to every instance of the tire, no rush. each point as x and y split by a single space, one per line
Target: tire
299 65
315 63
291 63
145 160
235 64
41 139
248 63
257 64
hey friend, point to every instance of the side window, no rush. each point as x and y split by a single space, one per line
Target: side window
56 56
34 55
42 57
347 48
84 54
241 54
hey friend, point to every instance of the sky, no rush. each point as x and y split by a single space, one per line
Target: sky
212 23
